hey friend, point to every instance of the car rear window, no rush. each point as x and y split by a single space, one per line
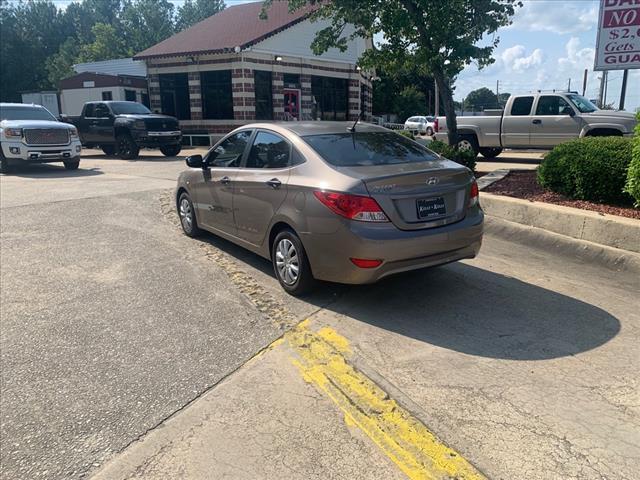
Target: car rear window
368 148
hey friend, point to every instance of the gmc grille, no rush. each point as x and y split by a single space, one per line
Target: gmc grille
46 136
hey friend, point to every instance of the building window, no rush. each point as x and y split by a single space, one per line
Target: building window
331 98
174 95
291 80
264 95
130 95
106 96
217 96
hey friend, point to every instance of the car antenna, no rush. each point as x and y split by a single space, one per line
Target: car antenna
352 128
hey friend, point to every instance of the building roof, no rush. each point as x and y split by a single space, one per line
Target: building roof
118 66
235 26
101 80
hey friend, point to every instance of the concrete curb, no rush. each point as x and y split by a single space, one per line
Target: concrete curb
608 230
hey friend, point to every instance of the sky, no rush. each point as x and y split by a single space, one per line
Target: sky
548 43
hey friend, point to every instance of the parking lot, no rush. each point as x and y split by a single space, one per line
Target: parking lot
524 360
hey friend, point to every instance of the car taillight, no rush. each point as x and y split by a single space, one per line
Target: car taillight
435 124
474 196
365 262
353 207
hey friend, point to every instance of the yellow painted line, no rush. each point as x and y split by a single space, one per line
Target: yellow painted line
323 361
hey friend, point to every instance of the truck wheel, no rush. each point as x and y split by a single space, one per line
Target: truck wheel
127 148
73 165
170 150
468 142
490 152
108 150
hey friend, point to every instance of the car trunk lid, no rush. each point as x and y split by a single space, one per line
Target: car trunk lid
417 196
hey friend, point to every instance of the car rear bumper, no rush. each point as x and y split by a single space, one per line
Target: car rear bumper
401 251
18 152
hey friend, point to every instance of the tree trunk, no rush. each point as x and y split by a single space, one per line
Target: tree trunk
446 96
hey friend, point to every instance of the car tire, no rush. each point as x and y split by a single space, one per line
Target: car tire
429 131
4 163
170 150
187 215
72 165
287 252
109 150
490 152
127 148
468 142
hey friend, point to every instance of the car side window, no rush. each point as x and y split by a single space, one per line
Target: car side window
269 151
101 111
521 106
552 105
229 153
89 111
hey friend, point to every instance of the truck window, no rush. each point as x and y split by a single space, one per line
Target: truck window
102 111
90 110
552 105
522 106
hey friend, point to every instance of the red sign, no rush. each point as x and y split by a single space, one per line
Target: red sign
618 44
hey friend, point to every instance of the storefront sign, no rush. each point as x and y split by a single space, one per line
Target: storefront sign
618 44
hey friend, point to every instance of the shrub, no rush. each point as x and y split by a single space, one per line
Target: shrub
406 133
591 168
463 157
633 174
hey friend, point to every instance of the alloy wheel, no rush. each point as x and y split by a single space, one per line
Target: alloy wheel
287 261
465 145
186 214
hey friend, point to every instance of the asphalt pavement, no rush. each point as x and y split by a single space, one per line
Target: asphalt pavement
524 360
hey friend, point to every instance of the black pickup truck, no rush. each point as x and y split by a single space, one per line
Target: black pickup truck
126 127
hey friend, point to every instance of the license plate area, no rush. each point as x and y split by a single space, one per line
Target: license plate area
431 207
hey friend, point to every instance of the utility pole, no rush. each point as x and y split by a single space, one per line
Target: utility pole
606 88
437 100
569 86
623 90
498 92
603 80
584 82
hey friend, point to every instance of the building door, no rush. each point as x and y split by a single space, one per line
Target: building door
291 104
168 102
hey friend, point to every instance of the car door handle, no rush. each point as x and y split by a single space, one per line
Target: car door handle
537 122
274 183
225 180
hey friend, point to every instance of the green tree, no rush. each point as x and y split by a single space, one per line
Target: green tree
410 101
481 99
442 36
60 65
30 32
147 22
108 44
194 11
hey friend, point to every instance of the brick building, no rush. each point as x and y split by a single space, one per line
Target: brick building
234 68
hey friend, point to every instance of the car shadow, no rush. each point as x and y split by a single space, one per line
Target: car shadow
48 170
141 158
463 308
505 158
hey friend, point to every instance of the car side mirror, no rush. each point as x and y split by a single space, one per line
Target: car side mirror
572 112
194 161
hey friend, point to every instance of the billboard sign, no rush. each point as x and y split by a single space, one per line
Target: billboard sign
618 44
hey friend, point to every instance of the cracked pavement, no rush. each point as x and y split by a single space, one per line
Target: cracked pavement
113 323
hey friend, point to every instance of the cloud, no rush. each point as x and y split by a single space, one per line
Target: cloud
515 58
576 57
556 16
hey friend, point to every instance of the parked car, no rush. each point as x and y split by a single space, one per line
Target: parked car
31 134
537 120
421 125
126 127
327 203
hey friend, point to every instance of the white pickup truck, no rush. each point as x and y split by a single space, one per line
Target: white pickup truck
537 121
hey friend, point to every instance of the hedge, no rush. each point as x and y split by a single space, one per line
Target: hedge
463 157
632 186
590 168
